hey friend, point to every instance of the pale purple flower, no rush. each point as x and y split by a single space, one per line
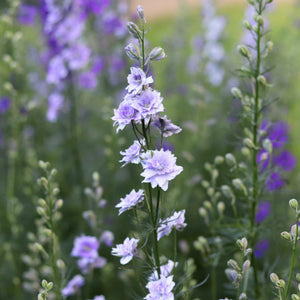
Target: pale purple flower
56 70
261 248
55 104
176 221
5 104
285 160
127 250
69 30
73 286
130 201
96 6
132 154
107 237
160 168
274 182
137 80
98 65
77 56
27 14
215 73
161 289
112 24
85 247
88 80
125 114
263 211
165 270
165 126
87 264
148 103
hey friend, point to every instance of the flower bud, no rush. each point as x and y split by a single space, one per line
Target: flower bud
49 286
205 184
274 278
208 167
245 151
298 277
227 191
243 51
221 208
219 160
44 283
259 19
157 53
270 46
133 30
295 297
132 51
210 191
230 160
293 204
140 12
243 296
267 144
236 92
207 205
247 24
248 143
261 79
239 185
286 235
246 265
280 283
243 243
233 264
202 212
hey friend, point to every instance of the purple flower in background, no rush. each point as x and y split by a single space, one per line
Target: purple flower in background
112 24
88 80
160 168
125 114
107 237
261 248
85 247
96 6
56 70
136 80
130 201
165 270
165 126
5 104
55 104
86 265
160 289
98 65
274 182
176 221
132 154
77 56
278 134
285 160
73 286
127 250
263 211
27 14
148 103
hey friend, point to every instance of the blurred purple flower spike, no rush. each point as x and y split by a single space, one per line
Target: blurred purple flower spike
263 211
261 248
5 104
27 14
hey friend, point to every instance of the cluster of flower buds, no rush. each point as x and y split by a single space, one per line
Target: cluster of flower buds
235 271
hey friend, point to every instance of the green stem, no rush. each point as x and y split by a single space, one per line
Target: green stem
254 154
293 259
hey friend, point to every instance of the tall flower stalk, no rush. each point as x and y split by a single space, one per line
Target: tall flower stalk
142 108
253 105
